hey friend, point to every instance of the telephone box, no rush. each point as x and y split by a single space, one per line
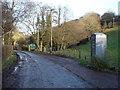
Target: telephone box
98 44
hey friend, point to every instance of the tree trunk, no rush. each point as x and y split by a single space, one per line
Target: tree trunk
61 47
58 47
41 45
14 43
64 46
38 40
3 41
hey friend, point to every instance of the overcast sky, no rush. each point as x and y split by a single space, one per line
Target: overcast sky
81 7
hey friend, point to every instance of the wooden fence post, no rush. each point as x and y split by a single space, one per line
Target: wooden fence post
79 54
85 57
75 53
69 52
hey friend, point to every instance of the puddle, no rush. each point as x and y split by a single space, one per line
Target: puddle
26 59
20 57
35 60
20 62
15 70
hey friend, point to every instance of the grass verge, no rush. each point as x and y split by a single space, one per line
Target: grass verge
9 62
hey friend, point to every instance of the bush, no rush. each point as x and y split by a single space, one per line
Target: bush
99 64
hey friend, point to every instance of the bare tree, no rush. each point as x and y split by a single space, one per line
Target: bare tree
65 28
12 14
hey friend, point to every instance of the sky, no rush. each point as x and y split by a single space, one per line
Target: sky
81 7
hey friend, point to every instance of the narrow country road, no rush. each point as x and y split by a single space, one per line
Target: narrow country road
35 71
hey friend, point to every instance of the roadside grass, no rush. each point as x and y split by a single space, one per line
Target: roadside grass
9 62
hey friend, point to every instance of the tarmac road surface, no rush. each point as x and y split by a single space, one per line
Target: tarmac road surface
35 71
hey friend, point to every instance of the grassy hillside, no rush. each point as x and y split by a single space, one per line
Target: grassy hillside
112 47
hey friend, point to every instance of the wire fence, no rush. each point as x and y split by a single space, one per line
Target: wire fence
76 54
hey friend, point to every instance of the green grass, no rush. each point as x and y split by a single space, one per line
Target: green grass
9 62
112 47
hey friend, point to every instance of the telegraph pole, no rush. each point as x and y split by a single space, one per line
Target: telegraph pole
51 30
113 21
38 34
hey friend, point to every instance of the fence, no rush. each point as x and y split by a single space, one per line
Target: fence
7 50
76 54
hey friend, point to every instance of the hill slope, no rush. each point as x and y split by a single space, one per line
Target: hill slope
112 47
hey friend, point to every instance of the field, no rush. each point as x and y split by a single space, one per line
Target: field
82 52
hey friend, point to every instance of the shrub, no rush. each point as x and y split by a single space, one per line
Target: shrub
99 64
